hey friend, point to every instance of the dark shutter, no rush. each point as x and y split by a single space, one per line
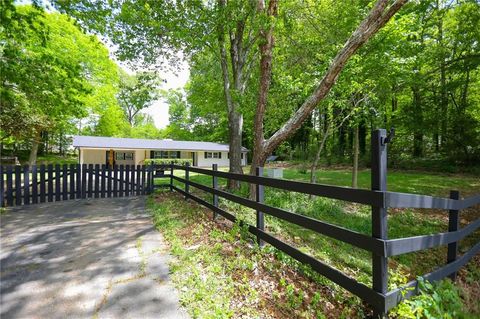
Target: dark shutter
219 154
205 154
152 154
178 154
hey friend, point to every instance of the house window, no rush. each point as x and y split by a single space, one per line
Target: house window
166 154
213 155
121 156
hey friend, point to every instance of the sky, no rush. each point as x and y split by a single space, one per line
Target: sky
159 109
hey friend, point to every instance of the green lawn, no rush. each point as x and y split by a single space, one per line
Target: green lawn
353 261
426 183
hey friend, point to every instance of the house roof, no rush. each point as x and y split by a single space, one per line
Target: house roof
138 143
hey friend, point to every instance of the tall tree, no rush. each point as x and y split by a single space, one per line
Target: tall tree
48 68
378 16
137 92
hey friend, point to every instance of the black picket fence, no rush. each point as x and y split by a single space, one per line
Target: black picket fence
25 185
378 243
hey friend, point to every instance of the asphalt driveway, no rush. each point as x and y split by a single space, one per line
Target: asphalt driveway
98 258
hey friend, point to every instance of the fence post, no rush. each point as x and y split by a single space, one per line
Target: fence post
453 225
171 176
215 186
152 180
379 213
187 177
260 197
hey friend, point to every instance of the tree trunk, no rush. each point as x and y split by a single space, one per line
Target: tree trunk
260 153
32 160
356 147
362 134
235 125
418 130
313 170
443 83
235 120
378 16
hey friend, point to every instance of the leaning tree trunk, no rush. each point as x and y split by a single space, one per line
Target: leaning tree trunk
356 147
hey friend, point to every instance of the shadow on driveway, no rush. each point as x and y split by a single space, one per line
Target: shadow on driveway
97 258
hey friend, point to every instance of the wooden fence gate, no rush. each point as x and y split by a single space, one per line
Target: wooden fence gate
25 185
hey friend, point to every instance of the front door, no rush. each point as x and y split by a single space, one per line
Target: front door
110 158
194 159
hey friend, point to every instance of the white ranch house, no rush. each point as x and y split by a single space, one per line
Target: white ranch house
133 151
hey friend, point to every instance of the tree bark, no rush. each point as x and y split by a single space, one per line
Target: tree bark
356 147
313 170
32 160
378 16
235 119
418 130
443 83
266 53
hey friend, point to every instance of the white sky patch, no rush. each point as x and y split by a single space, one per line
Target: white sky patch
159 109
171 80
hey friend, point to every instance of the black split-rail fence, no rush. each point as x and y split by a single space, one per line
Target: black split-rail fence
381 248
29 185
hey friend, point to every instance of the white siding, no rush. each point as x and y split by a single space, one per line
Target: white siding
92 156
221 162
97 156
139 157
207 162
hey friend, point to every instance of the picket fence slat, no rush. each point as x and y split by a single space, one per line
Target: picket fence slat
26 185
102 181
9 185
89 180
115 181
18 185
72 181
120 183
57 182
34 184
42 184
64 181
109 181
132 180
97 181
127 180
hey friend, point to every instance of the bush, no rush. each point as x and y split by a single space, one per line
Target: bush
435 300
167 161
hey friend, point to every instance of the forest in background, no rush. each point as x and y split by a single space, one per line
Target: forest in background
419 74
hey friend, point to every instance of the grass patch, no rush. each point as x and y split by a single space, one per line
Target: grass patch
221 273
354 262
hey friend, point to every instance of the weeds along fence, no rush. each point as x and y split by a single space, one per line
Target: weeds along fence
25 185
378 243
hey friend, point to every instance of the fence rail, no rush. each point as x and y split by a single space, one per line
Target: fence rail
48 183
378 243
